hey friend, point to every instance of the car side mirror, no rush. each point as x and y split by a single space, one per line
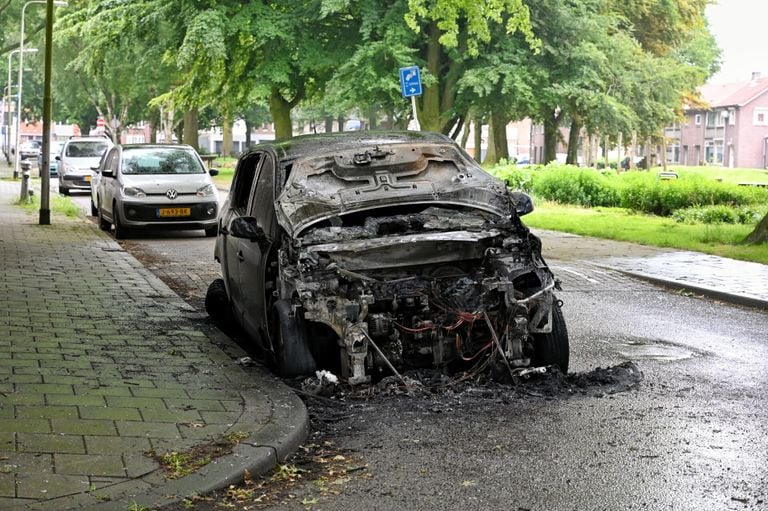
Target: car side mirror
95 168
107 173
248 227
58 158
213 172
523 203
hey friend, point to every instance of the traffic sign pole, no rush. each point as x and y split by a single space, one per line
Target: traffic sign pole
410 86
416 125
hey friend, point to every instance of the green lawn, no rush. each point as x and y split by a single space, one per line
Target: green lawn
226 168
737 175
618 224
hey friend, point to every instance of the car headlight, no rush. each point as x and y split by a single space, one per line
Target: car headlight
130 191
206 191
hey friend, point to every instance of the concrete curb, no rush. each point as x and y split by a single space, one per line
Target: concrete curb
744 300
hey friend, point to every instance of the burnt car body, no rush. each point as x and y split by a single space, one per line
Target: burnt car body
363 252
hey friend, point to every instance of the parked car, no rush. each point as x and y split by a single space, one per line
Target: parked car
76 161
147 186
357 252
29 149
55 150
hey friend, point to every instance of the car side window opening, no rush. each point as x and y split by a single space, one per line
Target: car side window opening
262 205
244 178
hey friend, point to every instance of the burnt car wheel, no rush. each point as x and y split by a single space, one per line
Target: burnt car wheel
552 348
290 342
217 303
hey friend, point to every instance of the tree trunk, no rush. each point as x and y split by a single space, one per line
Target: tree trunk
632 151
226 128
190 128
281 114
619 147
760 234
664 152
248 129
465 133
551 136
490 151
500 143
573 143
478 139
373 114
428 108
328 124
340 121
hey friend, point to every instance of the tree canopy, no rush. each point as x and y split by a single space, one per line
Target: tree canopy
603 66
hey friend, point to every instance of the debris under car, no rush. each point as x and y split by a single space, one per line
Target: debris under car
382 252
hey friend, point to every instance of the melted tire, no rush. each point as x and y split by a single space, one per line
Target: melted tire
217 303
553 348
290 343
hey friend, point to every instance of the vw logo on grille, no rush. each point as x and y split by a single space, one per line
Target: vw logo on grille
172 194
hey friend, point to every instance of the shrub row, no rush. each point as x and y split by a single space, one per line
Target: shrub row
720 214
635 190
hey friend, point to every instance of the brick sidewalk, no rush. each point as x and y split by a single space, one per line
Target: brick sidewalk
102 363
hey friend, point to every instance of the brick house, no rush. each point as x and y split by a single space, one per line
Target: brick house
731 130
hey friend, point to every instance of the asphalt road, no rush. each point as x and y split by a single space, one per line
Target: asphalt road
690 435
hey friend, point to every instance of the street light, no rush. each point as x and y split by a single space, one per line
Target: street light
59 3
7 103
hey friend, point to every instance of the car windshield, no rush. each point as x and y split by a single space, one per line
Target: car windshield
160 160
85 149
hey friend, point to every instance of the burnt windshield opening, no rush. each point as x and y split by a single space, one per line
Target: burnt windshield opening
399 220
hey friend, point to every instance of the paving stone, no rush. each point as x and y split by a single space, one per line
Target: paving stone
7 487
61 399
44 388
116 444
147 429
110 412
196 404
33 442
165 415
26 425
89 464
49 486
45 412
170 393
83 427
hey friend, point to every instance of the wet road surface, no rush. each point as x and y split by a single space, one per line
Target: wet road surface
690 435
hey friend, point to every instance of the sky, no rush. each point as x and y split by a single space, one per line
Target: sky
741 32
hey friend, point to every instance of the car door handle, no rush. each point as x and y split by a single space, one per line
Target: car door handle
240 256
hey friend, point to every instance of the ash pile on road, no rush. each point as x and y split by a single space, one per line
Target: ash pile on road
540 382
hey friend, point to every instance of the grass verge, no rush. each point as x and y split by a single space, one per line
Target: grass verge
619 224
58 204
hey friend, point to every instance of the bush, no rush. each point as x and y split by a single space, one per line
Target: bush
719 214
571 185
516 178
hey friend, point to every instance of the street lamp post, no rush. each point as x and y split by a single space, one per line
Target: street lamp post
21 68
7 103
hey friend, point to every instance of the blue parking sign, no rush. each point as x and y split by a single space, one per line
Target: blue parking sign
410 81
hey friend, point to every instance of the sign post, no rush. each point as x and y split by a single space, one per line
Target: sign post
410 86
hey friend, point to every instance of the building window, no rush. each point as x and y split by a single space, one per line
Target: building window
760 117
673 153
715 119
713 152
697 120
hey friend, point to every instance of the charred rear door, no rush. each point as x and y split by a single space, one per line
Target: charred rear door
255 253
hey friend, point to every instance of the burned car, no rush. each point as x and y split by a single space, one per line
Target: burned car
366 252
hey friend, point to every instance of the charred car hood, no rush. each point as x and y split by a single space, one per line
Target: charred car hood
326 186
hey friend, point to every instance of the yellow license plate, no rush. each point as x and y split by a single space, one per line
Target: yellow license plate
166 212
87 179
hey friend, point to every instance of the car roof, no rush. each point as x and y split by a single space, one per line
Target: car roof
156 146
305 145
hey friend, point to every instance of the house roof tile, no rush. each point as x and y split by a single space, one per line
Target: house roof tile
733 94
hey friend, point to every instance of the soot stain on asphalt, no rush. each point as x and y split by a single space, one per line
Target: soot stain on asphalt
331 404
